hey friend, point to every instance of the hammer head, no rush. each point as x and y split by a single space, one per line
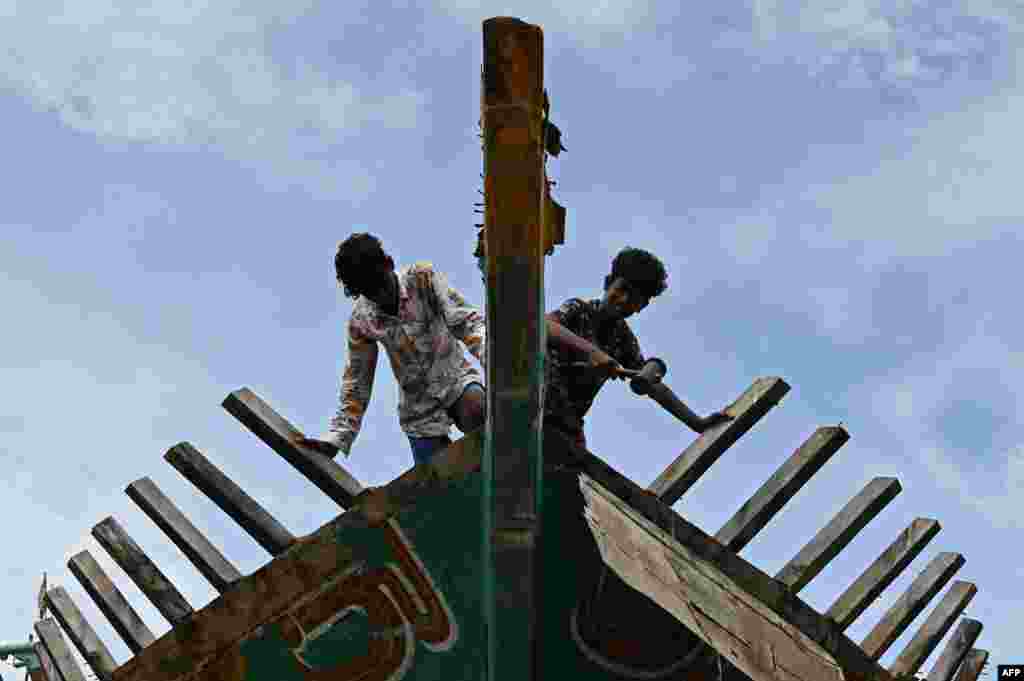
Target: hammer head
652 372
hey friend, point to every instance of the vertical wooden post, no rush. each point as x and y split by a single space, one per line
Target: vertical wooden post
512 116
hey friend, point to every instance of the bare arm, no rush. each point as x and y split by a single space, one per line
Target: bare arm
562 337
356 388
663 395
600 361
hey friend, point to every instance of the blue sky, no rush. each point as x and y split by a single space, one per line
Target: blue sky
834 188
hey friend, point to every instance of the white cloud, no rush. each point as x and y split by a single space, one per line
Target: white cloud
196 74
832 39
749 239
1001 504
587 22
909 401
842 312
946 184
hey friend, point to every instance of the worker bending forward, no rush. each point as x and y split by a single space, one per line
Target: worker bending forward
636 278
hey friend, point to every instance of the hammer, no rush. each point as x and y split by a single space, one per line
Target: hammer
652 372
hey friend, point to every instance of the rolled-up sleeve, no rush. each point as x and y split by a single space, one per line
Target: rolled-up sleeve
356 388
465 321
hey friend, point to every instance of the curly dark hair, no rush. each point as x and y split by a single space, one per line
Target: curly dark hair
644 272
359 258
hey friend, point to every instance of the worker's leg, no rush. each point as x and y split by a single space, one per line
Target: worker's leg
470 411
424 448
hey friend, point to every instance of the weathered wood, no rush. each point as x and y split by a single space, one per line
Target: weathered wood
298 573
839 532
934 628
781 486
60 655
210 562
770 498
512 117
231 498
753 621
81 633
973 665
137 565
910 604
282 437
881 573
110 601
47 667
696 459
951 657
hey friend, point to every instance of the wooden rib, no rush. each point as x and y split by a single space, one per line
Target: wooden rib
953 654
881 573
829 542
973 665
696 459
51 638
781 486
111 602
197 548
909 605
316 560
281 436
934 628
232 499
48 668
840 531
146 575
80 632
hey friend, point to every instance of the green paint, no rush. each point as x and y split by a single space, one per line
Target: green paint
24 655
486 552
443 530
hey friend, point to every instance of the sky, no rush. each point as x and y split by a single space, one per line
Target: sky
833 186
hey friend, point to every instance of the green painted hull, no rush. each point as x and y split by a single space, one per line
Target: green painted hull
436 629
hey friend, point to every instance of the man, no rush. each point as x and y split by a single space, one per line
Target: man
419 319
637 276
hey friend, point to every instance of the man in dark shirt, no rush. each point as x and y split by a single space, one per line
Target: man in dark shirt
637 276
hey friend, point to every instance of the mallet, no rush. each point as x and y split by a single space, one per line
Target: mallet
652 372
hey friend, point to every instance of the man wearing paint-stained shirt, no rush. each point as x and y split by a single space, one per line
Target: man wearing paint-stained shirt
419 320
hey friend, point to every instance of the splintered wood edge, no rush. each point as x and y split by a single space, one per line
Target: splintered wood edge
853 661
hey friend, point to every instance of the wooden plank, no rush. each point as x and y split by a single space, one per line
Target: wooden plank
281 436
232 499
111 602
752 620
512 115
81 633
47 667
60 655
146 575
881 573
934 628
298 573
839 532
781 486
696 459
973 665
951 657
210 562
770 498
910 604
